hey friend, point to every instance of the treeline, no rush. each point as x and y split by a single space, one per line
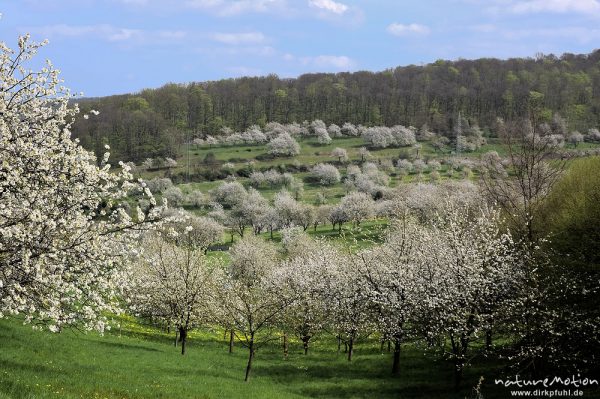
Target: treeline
154 122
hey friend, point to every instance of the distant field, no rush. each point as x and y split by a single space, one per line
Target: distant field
367 234
312 153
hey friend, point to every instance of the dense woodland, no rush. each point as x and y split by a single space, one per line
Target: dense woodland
155 121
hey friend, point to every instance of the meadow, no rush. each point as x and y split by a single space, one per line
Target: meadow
311 153
139 361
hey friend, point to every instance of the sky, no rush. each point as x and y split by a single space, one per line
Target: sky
106 47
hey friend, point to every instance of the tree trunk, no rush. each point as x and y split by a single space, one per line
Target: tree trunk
176 336
182 338
396 363
459 350
389 346
458 372
231 336
488 340
339 339
305 340
250 358
285 346
350 348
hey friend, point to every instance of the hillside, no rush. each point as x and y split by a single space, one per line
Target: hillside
139 361
155 122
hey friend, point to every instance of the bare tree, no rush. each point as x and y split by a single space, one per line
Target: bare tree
528 177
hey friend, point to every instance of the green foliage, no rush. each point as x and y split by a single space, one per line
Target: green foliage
572 214
136 104
412 95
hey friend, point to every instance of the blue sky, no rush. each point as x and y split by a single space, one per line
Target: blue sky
116 46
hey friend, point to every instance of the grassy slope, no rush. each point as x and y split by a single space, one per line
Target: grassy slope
311 153
142 363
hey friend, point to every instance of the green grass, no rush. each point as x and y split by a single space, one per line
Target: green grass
142 363
354 238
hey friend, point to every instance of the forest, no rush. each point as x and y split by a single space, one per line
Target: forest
154 122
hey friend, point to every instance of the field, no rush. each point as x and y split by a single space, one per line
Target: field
140 362
311 153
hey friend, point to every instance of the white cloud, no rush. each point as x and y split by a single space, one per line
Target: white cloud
206 4
556 6
172 34
65 30
107 32
239 38
579 34
134 2
328 62
236 51
540 36
264 51
244 71
590 7
229 7
336 61
405 30
329 5
123 34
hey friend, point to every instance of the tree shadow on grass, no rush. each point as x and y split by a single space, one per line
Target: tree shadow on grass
350 390
186 373
369 375
155 336
13 389
361 379
123 346
35 367
8 332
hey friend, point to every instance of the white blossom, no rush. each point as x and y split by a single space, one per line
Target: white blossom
64 233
